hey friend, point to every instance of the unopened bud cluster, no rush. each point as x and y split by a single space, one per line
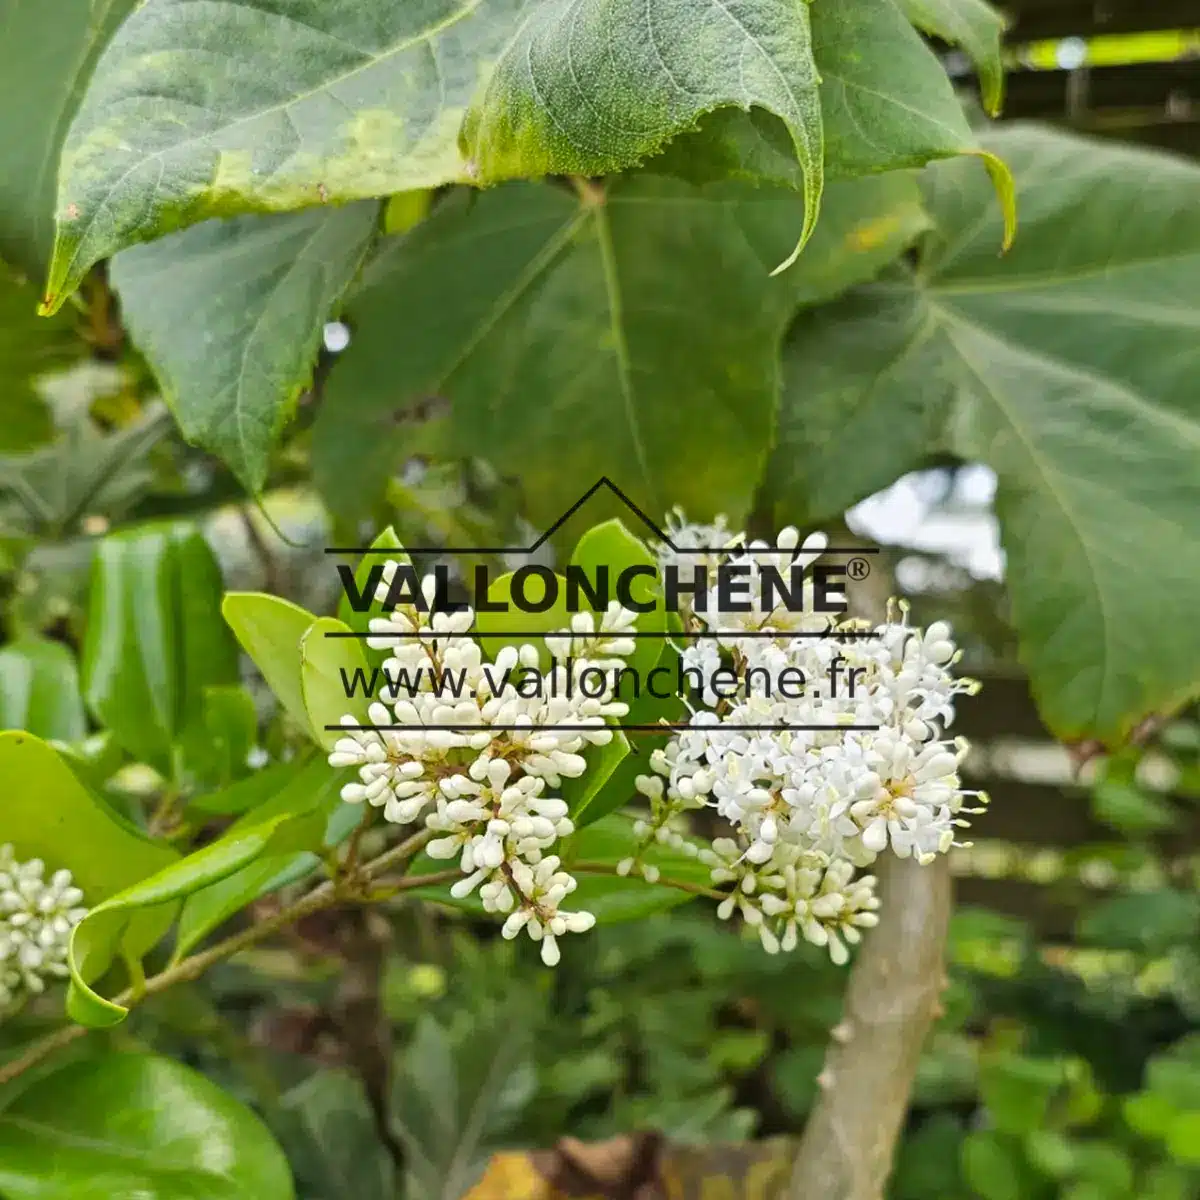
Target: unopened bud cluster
483 770
36 918
814 786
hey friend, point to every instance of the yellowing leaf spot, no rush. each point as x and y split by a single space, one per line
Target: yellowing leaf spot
868 235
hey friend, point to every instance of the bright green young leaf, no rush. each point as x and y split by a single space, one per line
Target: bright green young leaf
513 624
591 87
1068 367
49 814
154 641
323 102
993 1166
270 630
277 827
46 56
361 621
976 28
39 690
608 550
306 802
125 1125
670 350
646 711
230 315
328 667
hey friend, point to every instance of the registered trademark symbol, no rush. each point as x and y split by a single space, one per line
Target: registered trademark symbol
858 568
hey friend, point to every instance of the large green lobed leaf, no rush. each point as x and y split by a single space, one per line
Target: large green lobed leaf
1069 367
329 102
631 332
230 315
46 56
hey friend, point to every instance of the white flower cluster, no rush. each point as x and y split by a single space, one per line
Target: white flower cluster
477 750
36 919
827 751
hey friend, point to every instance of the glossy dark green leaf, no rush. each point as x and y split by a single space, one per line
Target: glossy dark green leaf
154 639
39 690
46 56
230 315
270 630
133 1125
1068 368
49 814
671 347
306 803
326 665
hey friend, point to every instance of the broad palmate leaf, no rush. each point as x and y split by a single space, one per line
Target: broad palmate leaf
47 52
324 101
631 331
976 28
230 315
1070 368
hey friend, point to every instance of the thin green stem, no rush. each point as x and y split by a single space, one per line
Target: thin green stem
325 895
696 889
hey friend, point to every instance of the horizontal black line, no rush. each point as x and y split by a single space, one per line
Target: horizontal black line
535 549
593 728
647 633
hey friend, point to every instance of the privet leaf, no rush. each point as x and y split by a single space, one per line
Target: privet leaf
230 315
39 690
293 820
591 87
154 641
46 57
361 621
49 814
306 802
136 1125
1069 369
323 102
623 333
325 663
270 630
